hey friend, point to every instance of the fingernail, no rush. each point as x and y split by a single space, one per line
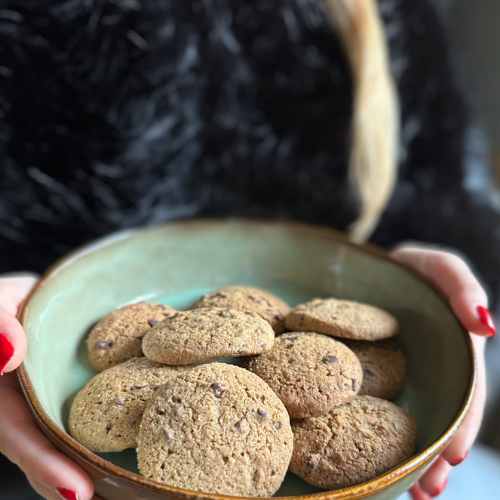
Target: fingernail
6 351
485 317
67 494
440 490
460 460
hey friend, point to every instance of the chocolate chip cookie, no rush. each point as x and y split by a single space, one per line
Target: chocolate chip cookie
118 336
342 318
310 373
384 367
217 429
248 299
353 443
206 334
106 413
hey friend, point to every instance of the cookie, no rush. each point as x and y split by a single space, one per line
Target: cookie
106 413
217 429
353 443
247 299
384 367
343 318
310 373
118 336
206 334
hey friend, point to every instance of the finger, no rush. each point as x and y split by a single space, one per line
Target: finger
452 276
13 292
417 493
463 440
24 444
433 482
12 343
51 494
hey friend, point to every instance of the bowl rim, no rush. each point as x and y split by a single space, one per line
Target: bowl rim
353 492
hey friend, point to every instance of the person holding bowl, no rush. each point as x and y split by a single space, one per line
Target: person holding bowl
343 113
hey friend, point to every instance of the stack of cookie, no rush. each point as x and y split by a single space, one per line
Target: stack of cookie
300 400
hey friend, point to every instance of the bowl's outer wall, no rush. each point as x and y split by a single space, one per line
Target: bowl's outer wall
176 263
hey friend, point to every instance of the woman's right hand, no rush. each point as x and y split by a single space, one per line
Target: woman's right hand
51 473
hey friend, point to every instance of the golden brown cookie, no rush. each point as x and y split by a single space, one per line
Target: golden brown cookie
118 336
106 413
310 373
245 298
206 334
384 367
217 429
342 318
353 443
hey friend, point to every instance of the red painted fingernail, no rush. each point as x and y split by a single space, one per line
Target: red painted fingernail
67 494
440 490
485 317
460 460
6 351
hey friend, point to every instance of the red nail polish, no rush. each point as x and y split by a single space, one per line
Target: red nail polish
440 490
485 317
67 494
6 351
460 460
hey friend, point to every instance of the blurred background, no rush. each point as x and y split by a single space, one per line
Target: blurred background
474 36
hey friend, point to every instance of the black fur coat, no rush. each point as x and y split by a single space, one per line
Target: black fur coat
119 113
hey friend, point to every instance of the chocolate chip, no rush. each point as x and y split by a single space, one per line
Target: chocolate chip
167 435
218 295
330 358
310 463
278 316
263 346
291 339
354 384
277 425
369 372
162 307
156 387
103 345
335 317
153 322
199 320
167 315
108 428
142 386
217 388
142 367
395 427
238 424
118 401
262 414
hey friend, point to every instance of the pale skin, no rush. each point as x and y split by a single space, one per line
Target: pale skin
47 469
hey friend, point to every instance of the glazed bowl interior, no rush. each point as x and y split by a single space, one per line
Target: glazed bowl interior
176 263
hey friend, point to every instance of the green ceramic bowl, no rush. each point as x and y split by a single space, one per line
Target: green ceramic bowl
175 264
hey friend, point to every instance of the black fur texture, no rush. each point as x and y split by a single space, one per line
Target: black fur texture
120 113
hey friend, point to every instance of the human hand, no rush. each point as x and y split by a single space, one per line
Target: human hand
469 302
51 473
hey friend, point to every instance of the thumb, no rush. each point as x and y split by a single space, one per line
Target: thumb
13 292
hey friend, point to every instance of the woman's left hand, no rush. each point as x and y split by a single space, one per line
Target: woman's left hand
452 276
